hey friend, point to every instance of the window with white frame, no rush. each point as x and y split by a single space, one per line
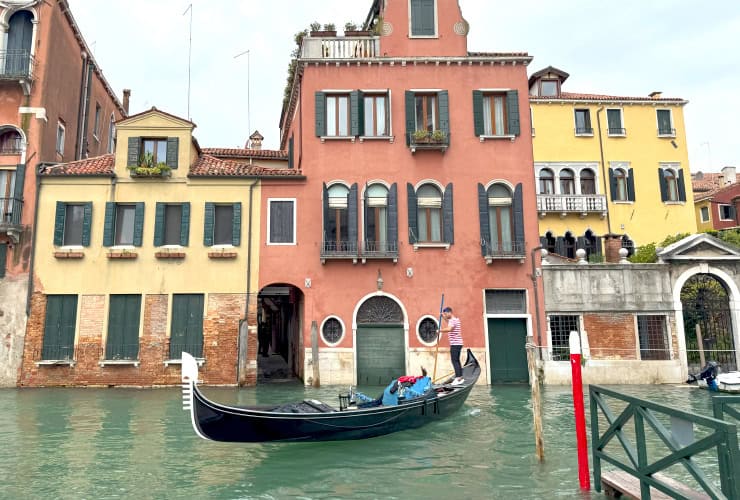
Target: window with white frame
423 18
376 218
501 219
281 228
429 213
671 184
547 181
726 212
111 133
588 181
567 182
427 330
377 114
560 328
494 114
704 214
665 123
337 115
620 175
615 123
332 330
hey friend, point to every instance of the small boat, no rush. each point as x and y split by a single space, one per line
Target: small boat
312 420
724 382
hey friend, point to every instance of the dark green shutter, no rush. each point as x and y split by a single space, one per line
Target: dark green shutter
613 184
3 258
413 224
478 125
134 144
485 224
366 210
422 17
352 215
86 223
444 112
208 224
290 152
681 186
519 219
173 151
410 115
59 327
20 179
320 114
236 227
361 114
663 186
325 200
598 244
159 224
123 327
139 224
560 246
393 217
631 185
448 221
59 220
512 111
187 325
354 113
109 223
185 225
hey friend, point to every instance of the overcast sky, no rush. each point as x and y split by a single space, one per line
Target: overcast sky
683 48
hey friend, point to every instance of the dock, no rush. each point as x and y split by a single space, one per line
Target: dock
619 484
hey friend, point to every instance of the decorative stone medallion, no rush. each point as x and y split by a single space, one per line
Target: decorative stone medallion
461 28
386 29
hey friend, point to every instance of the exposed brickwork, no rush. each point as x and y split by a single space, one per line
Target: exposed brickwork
612 245
221 336
611 335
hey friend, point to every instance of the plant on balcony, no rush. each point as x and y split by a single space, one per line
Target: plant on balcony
350 26
329 30
147 167
423 136
351 29
438 136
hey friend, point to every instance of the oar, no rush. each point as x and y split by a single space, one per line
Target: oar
439 335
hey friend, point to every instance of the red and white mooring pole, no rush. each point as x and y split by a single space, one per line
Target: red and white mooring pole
584 476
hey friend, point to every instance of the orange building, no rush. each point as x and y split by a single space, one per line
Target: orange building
418 183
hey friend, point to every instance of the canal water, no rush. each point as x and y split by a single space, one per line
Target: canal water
126 443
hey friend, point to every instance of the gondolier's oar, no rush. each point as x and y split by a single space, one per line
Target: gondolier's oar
439 334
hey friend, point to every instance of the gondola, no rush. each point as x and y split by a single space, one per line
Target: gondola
312 420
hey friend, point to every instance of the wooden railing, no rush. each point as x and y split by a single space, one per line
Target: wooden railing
361 47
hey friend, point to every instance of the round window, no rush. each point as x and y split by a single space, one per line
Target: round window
332 331
428 330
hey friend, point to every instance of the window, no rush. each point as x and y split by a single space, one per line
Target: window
337 115
672 186
621 178
377 116
622 182
336 227
156 149
11 142
588 181
614 122
172 224
583 122
3 258
560 328
186 327
151 151
665 123
629 245
59 327
426 112
547 181
494 114
506 302
548 88
500 219
60 137
223 217
122 342
281 226
429 213
72 224
96 127
653 336
427 330
124 224
567 182
125 216
422 17
704 214
332 330
376 219
222 224
427 119
73 218
726 212
7 195
111 133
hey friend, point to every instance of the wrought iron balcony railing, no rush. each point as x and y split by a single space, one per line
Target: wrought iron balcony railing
503 250
667 132
379 249
15 64
339 250
584 131
11 210
617 131
11 146
194 348
360 47
571 203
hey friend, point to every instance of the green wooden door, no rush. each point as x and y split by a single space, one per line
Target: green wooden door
187 325
59 327
381 354
506 339
123 327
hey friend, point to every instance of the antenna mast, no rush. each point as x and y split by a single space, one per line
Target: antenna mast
190 50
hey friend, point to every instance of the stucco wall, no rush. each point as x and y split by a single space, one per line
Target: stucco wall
12 327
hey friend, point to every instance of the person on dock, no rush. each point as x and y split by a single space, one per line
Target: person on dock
453 329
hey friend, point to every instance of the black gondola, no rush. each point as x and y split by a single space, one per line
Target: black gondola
314 420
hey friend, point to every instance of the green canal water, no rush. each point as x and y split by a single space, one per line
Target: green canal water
127 443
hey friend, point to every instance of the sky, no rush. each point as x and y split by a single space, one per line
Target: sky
234 60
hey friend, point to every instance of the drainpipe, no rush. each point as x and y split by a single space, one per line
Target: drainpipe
81 106
244 332
85 109
603 170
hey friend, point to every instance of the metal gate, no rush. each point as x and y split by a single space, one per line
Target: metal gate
706 311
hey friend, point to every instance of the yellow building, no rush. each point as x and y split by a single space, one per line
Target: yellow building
145 253
607 165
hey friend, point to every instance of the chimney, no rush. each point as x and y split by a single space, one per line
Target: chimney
655 94
729 176
126 98
612 245
255 141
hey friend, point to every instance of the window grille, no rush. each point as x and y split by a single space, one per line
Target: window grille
505 302
560 328
332 331
428 330
653 338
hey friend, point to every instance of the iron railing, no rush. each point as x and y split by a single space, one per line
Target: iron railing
339 249
578 203
121 352
667 131
15 64
360 47
617 131
379 249
428 141
504 250
13 146
59 352
11 210
679 441
584 131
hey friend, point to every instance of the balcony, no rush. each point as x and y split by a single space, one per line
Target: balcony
617 132
496 250
421 139
565 204
11 210
11 144
16 65
378 250
666 132
338 48
339 250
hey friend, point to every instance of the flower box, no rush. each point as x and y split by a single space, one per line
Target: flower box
222 255
69 255
324 33
122 255
358 33
170 255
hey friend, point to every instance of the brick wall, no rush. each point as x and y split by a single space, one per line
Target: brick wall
611 335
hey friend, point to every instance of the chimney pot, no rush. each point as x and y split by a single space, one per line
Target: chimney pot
126 99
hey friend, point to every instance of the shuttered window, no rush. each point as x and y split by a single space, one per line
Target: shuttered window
72 224
506 302
223 217
152 151
59 328
186 330
171 224
427 112
423 22
281 226
496 113
124 313
3 258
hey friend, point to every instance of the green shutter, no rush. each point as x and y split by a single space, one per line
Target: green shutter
236 228
413 224
134 144
485 226
613 184
444 112
86 223
448 220
519 218
139 224
361 113
663 185
410 115
393 217
681 186
59 220
20 179
159 224
185 225
59 327
109 224
208 224
354 113
3 258
422 17
186 332
352 215
123 327
320 114
512 111
478 125
290 153
173 151
631 185
325 201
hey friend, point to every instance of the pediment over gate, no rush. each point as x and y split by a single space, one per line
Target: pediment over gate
701 247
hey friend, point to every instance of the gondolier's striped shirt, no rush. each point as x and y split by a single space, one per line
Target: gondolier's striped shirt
455 335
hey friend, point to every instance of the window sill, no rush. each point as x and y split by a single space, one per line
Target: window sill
68 254
491 258
56 362
423 36
617 135
119 362
417 246
666 136
623 202
677 203
127 254
484 138
389 138
584 135
170 254
222 255
168 362
350 138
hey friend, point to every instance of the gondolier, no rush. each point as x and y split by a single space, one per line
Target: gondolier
453 329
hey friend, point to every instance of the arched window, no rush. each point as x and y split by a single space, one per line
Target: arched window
569 245
547 181
429 213
376 218
671 184
335 227
10 142
621 179
567 182
500 219
588 181
18 48
549 242
629 245
112 133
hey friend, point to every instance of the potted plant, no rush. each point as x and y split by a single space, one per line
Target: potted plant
329 30
438 136
147 167
420 136
350 29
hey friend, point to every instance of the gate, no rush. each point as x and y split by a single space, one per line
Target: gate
706 308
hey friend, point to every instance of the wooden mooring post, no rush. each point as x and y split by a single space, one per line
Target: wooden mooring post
315 382
534 383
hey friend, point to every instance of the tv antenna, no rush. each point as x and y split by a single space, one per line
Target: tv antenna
249 108
190 50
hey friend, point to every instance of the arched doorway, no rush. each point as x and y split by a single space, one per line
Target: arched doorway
18 48
707 315
380 342
279 343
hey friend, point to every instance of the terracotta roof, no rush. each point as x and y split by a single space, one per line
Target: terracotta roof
153 108
246 153
546 71
573 96
209 166
99 165
709 184
498 54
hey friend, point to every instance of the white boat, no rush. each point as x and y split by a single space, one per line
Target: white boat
723 382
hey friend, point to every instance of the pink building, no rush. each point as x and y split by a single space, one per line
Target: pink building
418 162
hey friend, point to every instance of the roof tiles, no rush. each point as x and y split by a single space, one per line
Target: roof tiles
210 166
246 153
99 165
